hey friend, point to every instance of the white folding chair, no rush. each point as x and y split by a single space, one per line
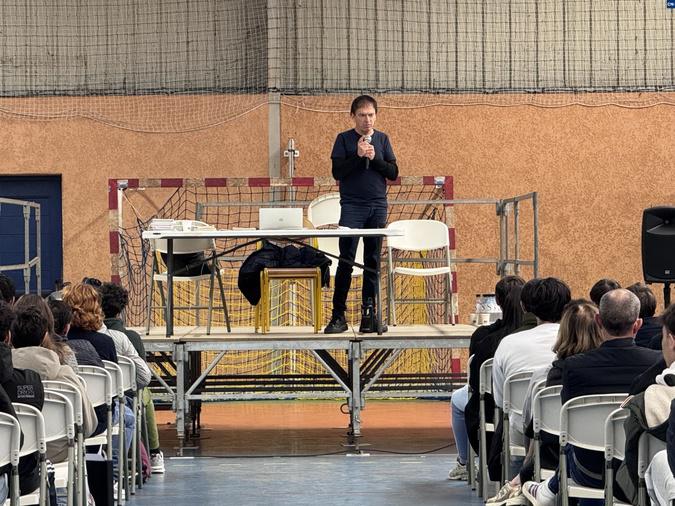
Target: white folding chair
10 446
324 211
615 445
128 368
420 236
59 417
100 392
187 246
33 428
515 391
75 398
582 425
471 462
648 446
118 390
546 406
484 388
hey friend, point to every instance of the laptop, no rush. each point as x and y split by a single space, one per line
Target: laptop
280 218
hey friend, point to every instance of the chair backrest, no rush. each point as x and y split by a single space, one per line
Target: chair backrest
10 440
615 435
116 376
185 246
59 417
419 235
485 377
324 210
648 446
515 391
71 392
128 373
582 420
99 384
33 428
546 406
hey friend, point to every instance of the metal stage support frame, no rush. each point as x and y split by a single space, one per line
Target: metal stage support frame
368 357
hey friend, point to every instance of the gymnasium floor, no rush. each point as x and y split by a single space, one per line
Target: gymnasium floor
290 452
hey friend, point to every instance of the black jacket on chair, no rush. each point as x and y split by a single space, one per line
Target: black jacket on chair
269 256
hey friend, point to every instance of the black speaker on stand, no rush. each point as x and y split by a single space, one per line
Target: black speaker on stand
658 247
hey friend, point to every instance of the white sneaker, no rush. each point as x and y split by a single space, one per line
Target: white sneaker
459 472
157 463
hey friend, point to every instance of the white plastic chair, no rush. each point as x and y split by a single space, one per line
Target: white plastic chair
324 211
10 445
471 463
582 425
515 391
187 246
615 445
648 446
75 398
100 392
117 377
33 428
128 368
546 405
420 235
484 388
59 417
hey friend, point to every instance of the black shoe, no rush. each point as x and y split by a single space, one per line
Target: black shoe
368 326
336 325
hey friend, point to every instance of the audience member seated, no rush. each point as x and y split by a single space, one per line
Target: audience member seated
85 353
114 300
601 287
610 368
64 352
579 332
531 349
29 336
483 343
23 386
7 290
649 334
87 319
485 351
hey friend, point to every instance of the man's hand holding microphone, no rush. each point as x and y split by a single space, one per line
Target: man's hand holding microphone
366 149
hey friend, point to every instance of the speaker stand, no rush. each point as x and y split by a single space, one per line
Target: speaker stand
666 295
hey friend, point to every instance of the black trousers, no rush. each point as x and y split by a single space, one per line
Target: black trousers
358 216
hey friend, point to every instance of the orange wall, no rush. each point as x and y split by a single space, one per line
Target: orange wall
595 169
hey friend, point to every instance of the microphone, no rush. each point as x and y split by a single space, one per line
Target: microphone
367 138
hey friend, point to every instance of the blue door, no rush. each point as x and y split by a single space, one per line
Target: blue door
46 191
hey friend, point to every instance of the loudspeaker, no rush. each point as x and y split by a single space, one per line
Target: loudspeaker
658 244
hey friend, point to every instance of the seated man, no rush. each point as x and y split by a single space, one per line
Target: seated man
530 349
7 290
651 326
601 287
608 369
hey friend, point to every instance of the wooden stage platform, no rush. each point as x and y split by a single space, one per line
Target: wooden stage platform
368 356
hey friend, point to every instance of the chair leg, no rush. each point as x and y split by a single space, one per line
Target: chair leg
198 312
392 300
121 455
210 313
162 297
226 314
450 300
134 445
151 288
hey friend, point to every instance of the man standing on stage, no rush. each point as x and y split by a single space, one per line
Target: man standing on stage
362 159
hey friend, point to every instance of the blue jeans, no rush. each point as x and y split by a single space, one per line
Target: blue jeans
358 216
4 488
458 402
129 424
579 476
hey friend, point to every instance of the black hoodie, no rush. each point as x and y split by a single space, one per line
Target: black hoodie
24 386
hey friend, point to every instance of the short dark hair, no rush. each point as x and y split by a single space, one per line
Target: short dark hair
362 101
549 298
29 327
114 298
527 294
6 319
647 299
63 315
7 289
668 318
619 309
601 287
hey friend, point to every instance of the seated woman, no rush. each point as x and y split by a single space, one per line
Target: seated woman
484 342
579 332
